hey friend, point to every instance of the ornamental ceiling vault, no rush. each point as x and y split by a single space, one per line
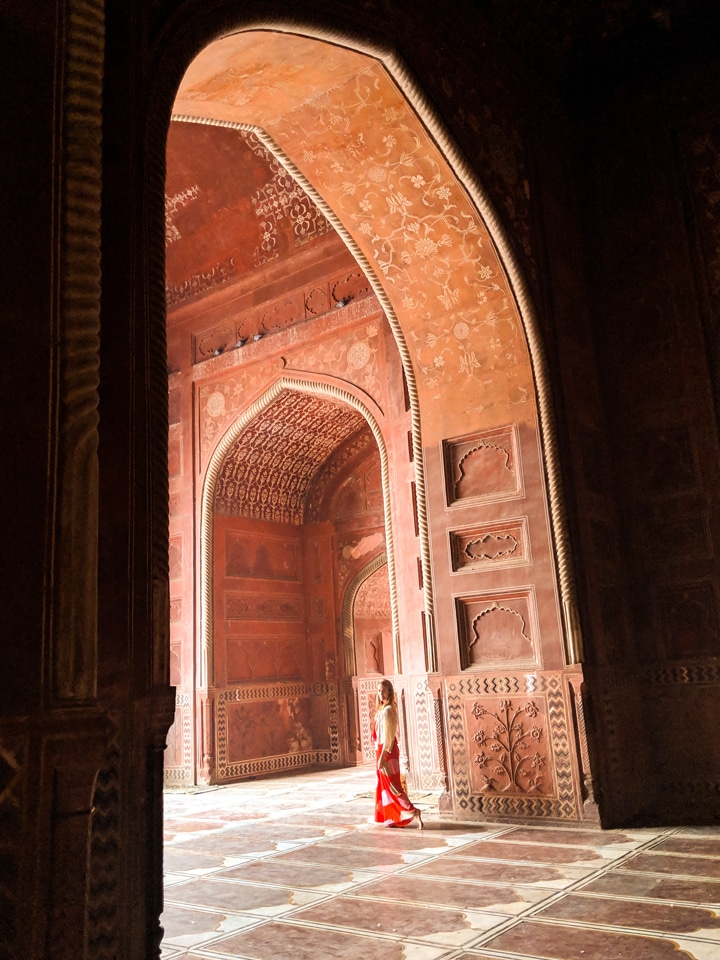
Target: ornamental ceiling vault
353 135
268 472
229 209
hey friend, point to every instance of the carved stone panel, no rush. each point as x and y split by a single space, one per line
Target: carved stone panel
264 657
497 544
667 462
263 558
690 619
175 557
510 751
496 629
483 466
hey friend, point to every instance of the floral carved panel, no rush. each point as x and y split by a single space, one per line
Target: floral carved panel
509 746
484 466
487 545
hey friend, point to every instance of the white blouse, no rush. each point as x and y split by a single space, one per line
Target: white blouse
386 725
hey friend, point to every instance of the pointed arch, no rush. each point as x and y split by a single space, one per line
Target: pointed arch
282 384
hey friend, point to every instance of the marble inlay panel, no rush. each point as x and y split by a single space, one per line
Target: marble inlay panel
381 838
660 917
554 942
534 853
299 875
181 861
451 927
681 866
276 941
240 897
488 871
642 885
700 846
190 928
236 846
581 838
357 858
464 896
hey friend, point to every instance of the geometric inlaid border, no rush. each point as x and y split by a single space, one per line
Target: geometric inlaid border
472 805
182 774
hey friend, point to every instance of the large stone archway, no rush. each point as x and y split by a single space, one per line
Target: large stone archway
499 618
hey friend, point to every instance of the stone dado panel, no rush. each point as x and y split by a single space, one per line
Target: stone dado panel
511 751
497 544
497 628
483 466
263 729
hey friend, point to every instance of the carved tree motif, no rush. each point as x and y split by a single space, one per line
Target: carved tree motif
510 763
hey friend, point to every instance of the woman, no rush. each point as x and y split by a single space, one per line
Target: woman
392 806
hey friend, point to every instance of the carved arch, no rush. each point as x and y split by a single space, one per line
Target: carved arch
299 385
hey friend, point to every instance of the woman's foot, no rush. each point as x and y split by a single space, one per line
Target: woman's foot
418 816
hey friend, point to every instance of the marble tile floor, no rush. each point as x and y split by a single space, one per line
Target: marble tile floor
294 868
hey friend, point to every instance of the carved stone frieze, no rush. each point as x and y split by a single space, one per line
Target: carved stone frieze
247 606
278 313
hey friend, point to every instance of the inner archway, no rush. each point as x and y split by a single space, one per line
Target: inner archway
299 499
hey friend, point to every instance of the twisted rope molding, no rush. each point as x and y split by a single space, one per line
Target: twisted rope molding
72 533
177 49
298 385
347 611
364 264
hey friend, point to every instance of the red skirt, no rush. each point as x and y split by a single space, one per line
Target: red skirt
391 802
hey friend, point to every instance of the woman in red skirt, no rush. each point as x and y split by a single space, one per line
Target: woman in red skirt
392 806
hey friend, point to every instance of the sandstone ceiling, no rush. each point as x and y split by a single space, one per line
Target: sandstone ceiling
230 208
268 472
351 132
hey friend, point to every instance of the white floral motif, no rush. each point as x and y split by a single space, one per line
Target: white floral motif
425 247
426 240
358 355
216 404
461 330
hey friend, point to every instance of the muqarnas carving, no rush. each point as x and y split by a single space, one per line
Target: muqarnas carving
483 466
496 630
509 747
490 545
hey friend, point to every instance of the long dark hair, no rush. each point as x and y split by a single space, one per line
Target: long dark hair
391 696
